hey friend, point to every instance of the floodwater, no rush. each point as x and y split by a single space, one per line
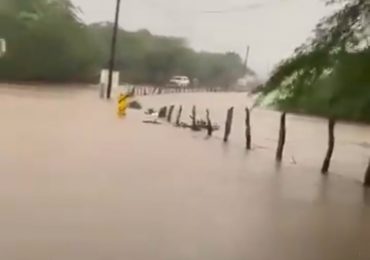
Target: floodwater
307 137
78 183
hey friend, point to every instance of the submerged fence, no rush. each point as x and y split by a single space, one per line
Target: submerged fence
150 90
143 91
206 124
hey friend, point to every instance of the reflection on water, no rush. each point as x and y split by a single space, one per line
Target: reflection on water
78 183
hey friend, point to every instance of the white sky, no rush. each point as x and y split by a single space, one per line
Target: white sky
273 28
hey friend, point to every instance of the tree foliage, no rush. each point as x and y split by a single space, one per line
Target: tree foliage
328 75
47 42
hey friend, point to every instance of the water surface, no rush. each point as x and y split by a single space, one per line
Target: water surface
77 183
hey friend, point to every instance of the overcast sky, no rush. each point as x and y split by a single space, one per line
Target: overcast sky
273 28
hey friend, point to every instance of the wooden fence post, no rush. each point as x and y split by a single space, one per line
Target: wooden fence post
367 176
282 137
248 129
209 124
178 118
162 112
194 118
228 124
169 116
329 153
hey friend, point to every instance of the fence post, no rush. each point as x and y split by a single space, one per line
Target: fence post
329 153
194 118
178 118
162 112
229 121
282 137
169 116
209 124
248 129
367 176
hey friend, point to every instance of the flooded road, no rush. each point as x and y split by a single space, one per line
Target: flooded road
77 183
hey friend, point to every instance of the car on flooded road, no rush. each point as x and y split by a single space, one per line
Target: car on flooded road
179 81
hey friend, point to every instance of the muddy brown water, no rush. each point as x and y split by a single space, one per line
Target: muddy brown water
78 183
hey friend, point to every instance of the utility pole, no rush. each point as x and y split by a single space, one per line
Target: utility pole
113 50
246 59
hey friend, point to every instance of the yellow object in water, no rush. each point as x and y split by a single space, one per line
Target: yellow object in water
122 104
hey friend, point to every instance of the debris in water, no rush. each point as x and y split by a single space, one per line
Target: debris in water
150 111
199 125
135 105
293 160
153 122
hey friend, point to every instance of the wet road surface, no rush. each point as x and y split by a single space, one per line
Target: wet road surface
78 183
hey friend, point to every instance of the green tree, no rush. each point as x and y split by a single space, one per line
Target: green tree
328 75
146 58
47 42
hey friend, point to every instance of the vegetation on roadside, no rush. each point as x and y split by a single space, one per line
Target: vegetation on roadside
48 42
330 74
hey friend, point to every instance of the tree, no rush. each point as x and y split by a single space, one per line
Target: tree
146 58
327 75
47 42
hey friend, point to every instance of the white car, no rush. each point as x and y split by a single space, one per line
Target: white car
179 81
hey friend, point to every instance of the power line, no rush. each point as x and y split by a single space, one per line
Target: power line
235 9
241 8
